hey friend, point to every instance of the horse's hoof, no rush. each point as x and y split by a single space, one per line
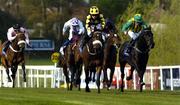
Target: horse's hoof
129 78
99 91
142 83
88 90
9 80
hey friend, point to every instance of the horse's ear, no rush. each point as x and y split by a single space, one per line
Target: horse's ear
149 27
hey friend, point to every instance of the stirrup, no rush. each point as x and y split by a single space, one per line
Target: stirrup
80 49
127 54
4 53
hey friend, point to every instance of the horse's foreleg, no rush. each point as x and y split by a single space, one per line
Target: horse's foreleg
24 71
98 78
72 69
66 76
122 76
78 76
111 76
141 75
105 80
7 72
14 70
87 79
131 74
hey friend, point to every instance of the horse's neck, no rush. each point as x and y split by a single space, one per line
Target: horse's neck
141 44
13 46
109 41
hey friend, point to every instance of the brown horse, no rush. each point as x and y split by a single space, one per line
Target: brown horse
138 57
93 58
15 56
110 56
73 61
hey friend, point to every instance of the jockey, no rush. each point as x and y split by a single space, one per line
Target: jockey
109 26
11 35
94 18
75 26
133 28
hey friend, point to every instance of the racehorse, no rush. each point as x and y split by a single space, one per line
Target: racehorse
92 55
15 56
110 55
73 61
138 57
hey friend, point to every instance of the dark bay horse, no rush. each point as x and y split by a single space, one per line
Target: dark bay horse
138 57
92 55
72 63
110 56
15 56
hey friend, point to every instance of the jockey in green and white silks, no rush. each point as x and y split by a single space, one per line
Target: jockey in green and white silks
133 28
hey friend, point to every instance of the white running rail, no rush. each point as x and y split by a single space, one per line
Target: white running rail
165 77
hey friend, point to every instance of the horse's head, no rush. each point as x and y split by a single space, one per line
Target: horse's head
113 39
19 42
97 41
147 36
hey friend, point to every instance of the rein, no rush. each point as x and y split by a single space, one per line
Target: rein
138 50
22 41
14 49
90 51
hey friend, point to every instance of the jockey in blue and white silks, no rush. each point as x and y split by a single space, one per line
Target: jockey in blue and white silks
75 27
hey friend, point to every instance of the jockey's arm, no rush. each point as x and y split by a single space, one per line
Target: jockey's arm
66 26
11 35
23 30
88 25
126 27
81 28
102 21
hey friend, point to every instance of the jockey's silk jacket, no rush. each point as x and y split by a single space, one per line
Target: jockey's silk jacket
68 25
11 34
130 25
89 21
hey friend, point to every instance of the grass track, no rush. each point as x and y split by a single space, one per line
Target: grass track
41 96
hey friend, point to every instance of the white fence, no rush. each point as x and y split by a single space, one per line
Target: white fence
159 77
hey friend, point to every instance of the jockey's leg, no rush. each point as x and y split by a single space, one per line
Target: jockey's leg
129 47
65 44
7 43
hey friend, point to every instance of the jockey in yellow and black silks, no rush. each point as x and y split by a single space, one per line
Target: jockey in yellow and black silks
94 18
133 28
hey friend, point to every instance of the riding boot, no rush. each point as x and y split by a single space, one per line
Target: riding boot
65 44
7 43
129 48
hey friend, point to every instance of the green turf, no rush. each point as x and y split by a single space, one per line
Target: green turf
41 96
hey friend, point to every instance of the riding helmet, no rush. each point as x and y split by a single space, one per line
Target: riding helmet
94 10
138 18
16 26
